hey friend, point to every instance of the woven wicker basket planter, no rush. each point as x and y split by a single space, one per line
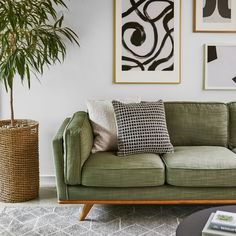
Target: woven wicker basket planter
19 163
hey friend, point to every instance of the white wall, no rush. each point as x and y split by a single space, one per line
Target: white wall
87 73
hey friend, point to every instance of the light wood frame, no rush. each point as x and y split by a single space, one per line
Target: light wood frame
205 31
88 204
179 45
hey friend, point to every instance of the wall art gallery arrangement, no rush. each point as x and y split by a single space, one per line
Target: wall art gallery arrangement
148 41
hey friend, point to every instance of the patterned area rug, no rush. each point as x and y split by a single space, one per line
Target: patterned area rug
117 220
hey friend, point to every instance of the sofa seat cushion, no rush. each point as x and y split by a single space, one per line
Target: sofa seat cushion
201 166
105 169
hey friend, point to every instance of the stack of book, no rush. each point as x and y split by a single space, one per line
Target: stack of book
221 223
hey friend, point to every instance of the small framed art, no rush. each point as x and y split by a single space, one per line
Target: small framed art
215 16
220 67
147 41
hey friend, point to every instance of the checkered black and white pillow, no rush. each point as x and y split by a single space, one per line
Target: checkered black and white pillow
142 128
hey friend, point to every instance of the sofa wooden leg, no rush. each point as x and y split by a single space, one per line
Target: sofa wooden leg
85 211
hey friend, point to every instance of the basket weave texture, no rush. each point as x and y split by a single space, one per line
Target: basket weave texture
19 162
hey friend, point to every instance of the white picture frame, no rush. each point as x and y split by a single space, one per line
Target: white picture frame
220 66
147 75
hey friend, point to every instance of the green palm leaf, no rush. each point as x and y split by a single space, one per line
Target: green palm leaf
31 37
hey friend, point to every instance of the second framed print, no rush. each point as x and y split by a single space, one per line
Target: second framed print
215 16
147 41
220 66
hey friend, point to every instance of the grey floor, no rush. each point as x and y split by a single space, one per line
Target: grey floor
44 216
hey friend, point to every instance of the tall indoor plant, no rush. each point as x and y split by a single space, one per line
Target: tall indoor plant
32 36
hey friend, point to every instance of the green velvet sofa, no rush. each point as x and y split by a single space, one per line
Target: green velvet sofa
202 170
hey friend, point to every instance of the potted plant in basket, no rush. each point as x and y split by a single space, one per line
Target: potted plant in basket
31 37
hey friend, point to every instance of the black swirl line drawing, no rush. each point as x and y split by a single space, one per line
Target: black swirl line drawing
147 35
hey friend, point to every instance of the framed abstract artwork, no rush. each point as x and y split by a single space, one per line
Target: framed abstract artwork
147 41
220 67
215 16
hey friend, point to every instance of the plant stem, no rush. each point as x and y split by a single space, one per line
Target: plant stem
12 107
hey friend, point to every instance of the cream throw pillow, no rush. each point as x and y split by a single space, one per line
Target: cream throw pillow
102 117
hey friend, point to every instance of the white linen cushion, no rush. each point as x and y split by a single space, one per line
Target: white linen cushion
102 117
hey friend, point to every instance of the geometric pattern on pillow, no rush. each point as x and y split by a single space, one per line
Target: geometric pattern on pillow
142 128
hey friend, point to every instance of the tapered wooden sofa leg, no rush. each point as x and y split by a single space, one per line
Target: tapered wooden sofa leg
85 211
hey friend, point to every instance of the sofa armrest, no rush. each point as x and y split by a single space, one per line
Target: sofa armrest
78 142
59 161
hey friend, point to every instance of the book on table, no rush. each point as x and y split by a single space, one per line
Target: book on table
225 221
208 231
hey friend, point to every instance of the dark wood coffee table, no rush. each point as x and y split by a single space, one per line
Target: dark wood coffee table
194 224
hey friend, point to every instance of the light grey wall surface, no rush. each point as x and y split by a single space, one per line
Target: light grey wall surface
88 70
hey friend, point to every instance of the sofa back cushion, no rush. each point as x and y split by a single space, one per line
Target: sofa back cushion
232 125
197 124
